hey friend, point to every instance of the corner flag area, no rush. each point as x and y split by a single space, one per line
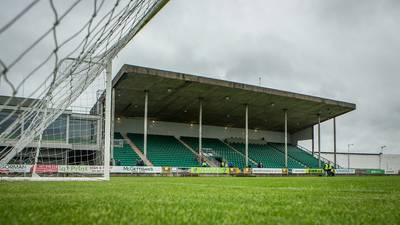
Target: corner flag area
204 200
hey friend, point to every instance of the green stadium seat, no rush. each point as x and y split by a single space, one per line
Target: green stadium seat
124 156
267 155
163 150
219 148
298 154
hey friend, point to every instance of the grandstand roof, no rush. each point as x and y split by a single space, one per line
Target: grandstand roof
174 97
16 101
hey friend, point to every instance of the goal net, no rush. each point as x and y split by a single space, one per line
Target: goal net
55 84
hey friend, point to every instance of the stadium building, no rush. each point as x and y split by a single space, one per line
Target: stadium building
165 118
170 119
72 139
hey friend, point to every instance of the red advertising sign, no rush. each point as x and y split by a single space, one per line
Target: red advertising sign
46 168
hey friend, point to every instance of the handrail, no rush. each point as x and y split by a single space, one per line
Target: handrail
289 156
211 159
325 160
237 151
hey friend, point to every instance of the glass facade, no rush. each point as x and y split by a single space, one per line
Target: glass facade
7 122
82 131
57 131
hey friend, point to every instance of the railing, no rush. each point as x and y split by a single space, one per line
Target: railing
210 155
323 159
119 143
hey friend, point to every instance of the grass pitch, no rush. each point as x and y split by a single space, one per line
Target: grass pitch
204 200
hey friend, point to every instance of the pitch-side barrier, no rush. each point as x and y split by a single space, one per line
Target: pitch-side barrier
64 170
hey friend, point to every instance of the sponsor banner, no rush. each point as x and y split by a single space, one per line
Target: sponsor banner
298 171
180 170
166 169
390 172
15 168
375 171
234 170
209 170
361 171
345 171
315 171
247 170
73 169
370 171
97 169
40 168
266 171
83 169
135 169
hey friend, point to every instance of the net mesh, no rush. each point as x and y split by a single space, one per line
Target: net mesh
52 83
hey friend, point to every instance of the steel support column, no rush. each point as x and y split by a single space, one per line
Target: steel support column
247 135
319 140
286 144
200 126
146 99
334 142
312 140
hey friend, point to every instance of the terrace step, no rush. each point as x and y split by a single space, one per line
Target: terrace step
137 150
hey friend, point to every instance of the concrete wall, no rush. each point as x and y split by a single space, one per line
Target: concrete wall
388 161
302 135
135 125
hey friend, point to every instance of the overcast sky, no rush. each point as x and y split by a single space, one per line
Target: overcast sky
344 49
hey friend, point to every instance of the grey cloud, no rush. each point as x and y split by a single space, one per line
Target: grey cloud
346 50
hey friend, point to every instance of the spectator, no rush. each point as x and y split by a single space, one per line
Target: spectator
140 163
326 169
330 170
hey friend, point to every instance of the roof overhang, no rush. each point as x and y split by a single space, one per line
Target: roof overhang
175 97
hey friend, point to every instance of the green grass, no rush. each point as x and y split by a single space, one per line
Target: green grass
204 200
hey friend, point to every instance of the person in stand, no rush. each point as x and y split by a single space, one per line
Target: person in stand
204 164
261 165
326 169
223 164
258 165
330 170
230 164
140 163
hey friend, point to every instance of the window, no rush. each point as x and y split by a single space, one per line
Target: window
82 131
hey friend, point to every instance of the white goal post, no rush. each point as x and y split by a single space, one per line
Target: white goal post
56 91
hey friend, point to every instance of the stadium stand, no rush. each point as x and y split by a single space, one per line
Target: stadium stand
124 156
298 154
163 150
270 157
219 148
